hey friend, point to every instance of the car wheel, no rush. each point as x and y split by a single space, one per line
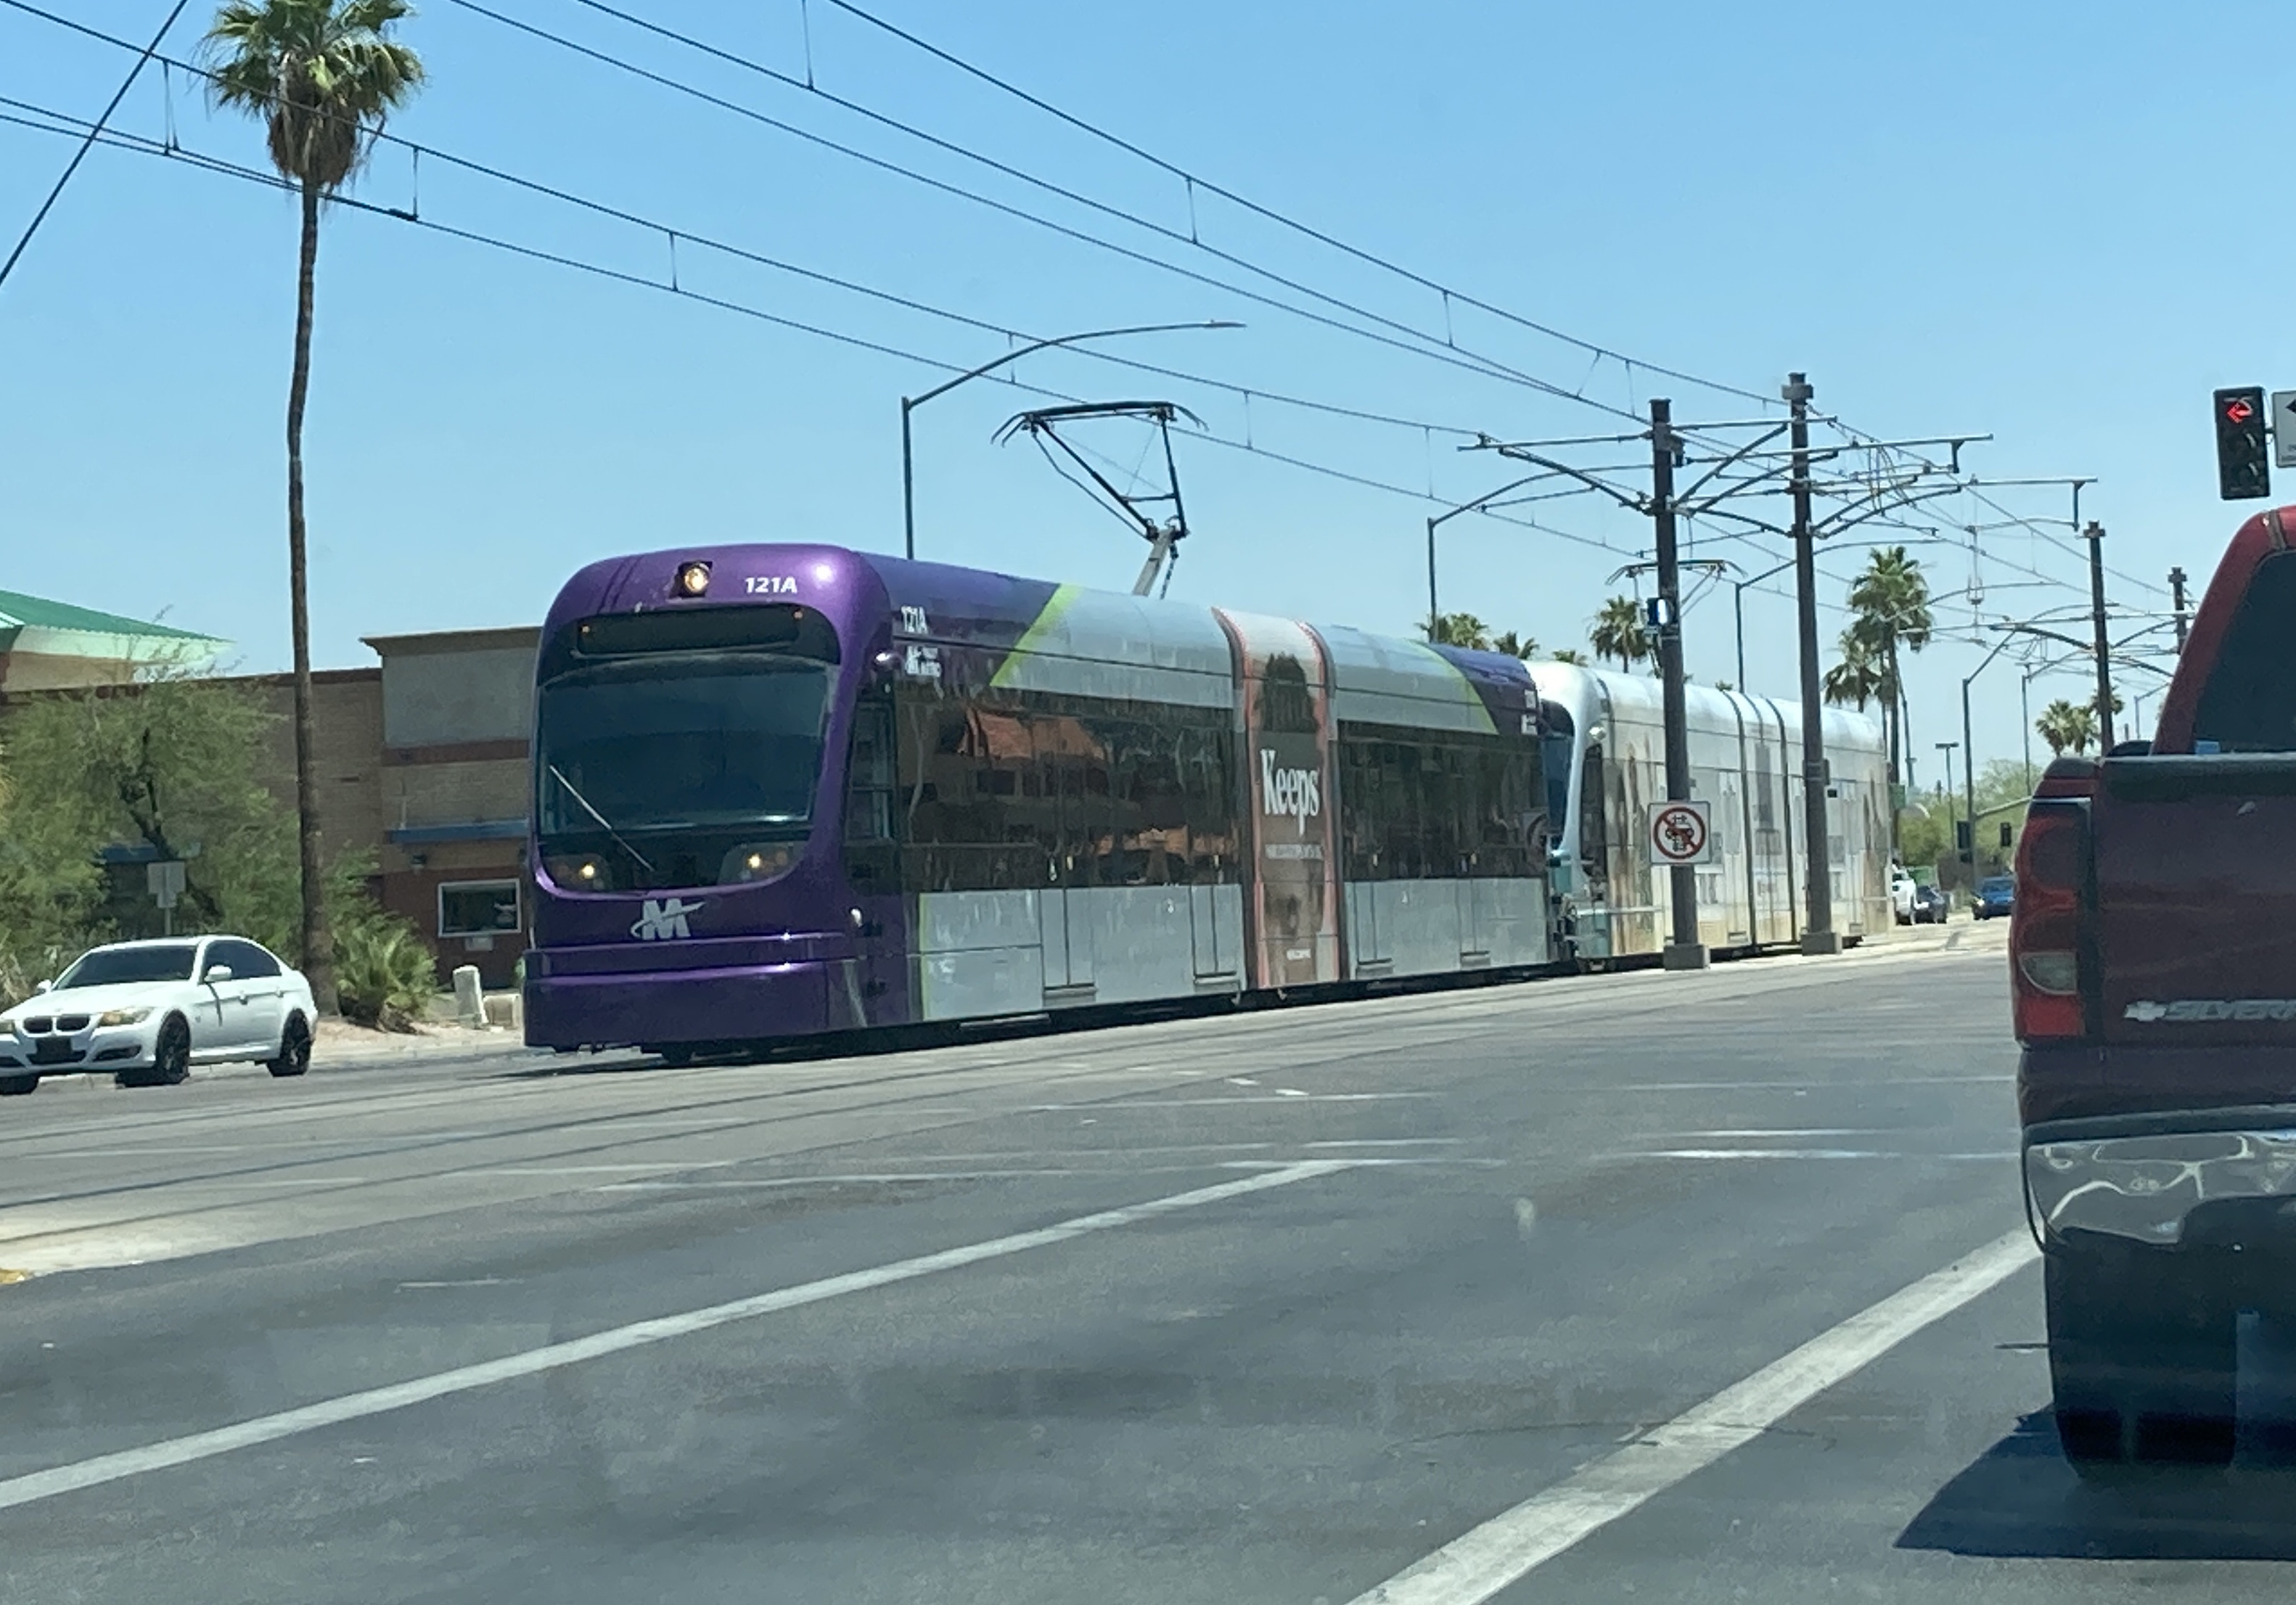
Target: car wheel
171 1057
16 1087
2141 1360
294 1055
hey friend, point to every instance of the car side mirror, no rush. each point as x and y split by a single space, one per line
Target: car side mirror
43 987
217 972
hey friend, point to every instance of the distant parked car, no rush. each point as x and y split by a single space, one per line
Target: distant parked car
148 1011
1995 895
1902 888
1930 905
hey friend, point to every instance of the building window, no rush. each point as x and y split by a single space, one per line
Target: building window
478 908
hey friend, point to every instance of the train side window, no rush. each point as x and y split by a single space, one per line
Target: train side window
1593 842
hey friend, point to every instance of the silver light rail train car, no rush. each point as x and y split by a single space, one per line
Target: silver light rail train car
1605 742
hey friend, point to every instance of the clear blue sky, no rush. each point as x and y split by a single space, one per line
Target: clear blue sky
2036 220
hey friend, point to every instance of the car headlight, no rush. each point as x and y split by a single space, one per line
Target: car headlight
123 1017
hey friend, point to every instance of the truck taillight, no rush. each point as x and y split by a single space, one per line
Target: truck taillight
2045 924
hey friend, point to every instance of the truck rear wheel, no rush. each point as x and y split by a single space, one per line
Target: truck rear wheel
2141 1357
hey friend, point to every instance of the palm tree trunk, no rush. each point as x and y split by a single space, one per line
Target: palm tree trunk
318 958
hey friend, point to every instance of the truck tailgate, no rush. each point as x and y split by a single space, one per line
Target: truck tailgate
2195 899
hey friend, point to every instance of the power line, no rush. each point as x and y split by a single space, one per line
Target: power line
62 124
853 287
88 144
1195 181
1420 343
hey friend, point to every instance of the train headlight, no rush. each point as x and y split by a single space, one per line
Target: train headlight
693 578
756 861
578 872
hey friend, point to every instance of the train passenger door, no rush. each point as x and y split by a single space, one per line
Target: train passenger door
1594 924
1074 771
872 987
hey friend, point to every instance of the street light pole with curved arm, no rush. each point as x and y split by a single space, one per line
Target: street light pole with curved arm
910 403
1481 502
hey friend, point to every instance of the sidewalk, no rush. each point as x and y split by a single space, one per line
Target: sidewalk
340 1044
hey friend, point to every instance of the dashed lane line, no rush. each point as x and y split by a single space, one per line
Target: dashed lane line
102 1469
1478 1564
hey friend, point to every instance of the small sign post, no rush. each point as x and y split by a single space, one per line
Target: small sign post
1679 833
165 880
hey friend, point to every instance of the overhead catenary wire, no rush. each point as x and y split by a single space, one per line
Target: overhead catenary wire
693 237
1197 181
1416 341
62 124
739 253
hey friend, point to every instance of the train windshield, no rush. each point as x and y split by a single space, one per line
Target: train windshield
665 770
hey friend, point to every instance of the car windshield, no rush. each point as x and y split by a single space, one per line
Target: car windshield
118 966
1999 886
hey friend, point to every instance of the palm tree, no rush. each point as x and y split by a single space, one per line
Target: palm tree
1515 645
1461 629
1889 607
2064 725
1858 678
1618 632
321 76
1568 654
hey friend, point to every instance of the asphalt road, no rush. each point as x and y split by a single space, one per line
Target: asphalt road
1701 1287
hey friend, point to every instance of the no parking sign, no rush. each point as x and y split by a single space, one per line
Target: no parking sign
1679 833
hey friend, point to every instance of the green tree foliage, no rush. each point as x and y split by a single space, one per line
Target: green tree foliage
1568 654
1619 632
170 766
385 973
321 76
177 765
1890 615
2069 726
1466 630
1461 629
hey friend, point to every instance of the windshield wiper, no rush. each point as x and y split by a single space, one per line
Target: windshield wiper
643 863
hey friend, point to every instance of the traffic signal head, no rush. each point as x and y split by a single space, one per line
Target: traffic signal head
1961 834
2243 470
2008 834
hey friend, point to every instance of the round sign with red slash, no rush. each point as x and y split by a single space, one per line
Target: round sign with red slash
1679 833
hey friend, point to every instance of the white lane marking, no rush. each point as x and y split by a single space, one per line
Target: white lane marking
1800 1086
1479 1563
471 1281
1779 1131
1042 1109
1802 1153
1240 1081
1386 1142
102 1469
599 1169
875 1178
1290 1091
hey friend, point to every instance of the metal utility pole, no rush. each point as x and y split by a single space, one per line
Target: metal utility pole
1685 952
2176 592
1818 933
1947 749
2094 534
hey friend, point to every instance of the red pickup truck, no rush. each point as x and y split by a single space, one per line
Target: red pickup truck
2152 963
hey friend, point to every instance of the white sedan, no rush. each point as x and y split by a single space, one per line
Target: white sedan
150 1011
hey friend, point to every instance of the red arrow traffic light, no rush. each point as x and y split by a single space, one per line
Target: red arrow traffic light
2238 411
